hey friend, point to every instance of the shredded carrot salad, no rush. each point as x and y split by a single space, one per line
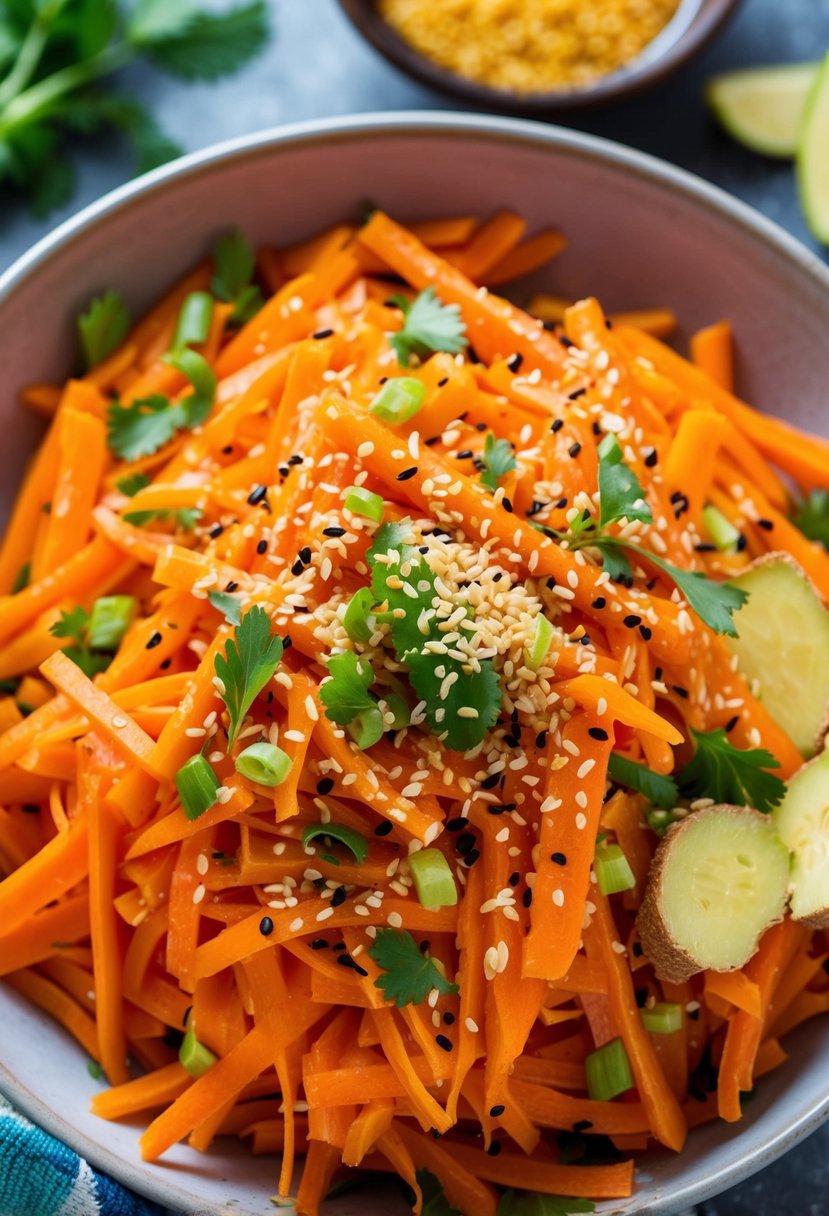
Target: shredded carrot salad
355 627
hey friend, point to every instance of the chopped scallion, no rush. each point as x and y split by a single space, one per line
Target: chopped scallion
264 763
366 727
719 528
196 783
537 651
194 319
608 1071
433 879
662 1018
109 620
355 621
364 502
399 399
193 1055
613 872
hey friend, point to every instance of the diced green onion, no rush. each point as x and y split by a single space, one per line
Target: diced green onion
343 835
613 872
399 399
355 621
536 652
662 1018
94 1069
109 620
196 784
193 1055
194 319
719 528
366 728
433 879
264 763
399 706
608 1071
364 502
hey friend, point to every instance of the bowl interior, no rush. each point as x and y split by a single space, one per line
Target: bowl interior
639 235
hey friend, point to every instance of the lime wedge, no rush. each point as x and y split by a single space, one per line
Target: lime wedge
813 156
763 108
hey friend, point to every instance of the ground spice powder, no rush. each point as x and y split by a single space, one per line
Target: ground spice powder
529 46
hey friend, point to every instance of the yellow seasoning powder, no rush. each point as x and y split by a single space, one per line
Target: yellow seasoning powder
529 46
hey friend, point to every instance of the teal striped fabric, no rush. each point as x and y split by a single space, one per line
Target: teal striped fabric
39 1176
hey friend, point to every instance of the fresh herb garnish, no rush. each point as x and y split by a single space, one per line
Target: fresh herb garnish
185 518
408 976
404 588
95 635
345 694
233 263
730 774
620 492
526 1203
357 844
104 325
497 458
657 788
429 325
57 53
435 1202
250 659
227 604
812 517
22 578
144 426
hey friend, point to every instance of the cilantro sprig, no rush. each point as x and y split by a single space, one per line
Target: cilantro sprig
429 325
345 694
408 975
185 518
658 789
145 425
102 328
355 842
731 774
497 459
527 1203
94 636
57 54
233 263
812 517
249 661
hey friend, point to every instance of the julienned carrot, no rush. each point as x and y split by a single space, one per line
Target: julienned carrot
712 351
268 949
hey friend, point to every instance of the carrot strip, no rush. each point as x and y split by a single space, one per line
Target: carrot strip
712 351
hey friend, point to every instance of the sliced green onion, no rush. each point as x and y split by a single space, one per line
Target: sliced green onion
366 728
719 528
608 1071
194 319
662 1018
364 502
613 872
264 763
399 399
433 879
193 1055
399 707
196 784
355 621
109 620
536 652
337 831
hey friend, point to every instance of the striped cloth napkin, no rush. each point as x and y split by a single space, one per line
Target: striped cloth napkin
39 1176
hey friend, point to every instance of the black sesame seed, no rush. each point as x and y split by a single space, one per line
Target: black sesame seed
449 1018
471 857
680 691
541 740
227 449
731 723
295 459
266 926
705 548
345 960
325 786
514 879
165 664
496 1111
501 808
457 824
334 531
641 995
527 897
637 950
514 362
258 494
319 943
646 633
431 441
442 382
507 504
407 473
579 392
383 829
491 781
538 505
30 808
631 621
231 586
651 458
155 640
465 843
559 859
766 524
557 425
494 1148
262 546
583 1125
322 333
561 504
216 531
287 642
596 732
740 543
297 567
574 450
565 341
597 430
466 454
304 554
599 603
443 1042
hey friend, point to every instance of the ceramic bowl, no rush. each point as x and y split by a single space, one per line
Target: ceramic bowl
640 233
693 23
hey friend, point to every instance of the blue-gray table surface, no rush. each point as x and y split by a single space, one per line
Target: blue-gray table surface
318 66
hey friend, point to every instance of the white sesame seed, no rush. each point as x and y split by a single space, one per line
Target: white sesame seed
581 821
199 893
395 920
471 1025
202 863
324 914
295 925
558 897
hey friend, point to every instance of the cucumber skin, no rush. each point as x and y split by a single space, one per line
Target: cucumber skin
819 919
671 961
818 226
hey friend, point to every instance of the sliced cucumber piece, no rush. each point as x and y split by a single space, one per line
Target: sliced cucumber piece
812 156
763 108
718 880
783 643
802 821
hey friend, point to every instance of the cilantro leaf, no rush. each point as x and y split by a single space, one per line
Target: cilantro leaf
435 1202
345 694
156 20
479 690
91 651
141 428
72 624
251 657
525 1203
354 841
212 45
812 517
195 408
233 261
620 492
132 483
103 327
658 789
730 774
408 976
22 578
497 458
151 144
616 563
428 326
184 518
228 605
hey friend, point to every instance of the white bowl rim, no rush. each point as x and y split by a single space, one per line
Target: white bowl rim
419 123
